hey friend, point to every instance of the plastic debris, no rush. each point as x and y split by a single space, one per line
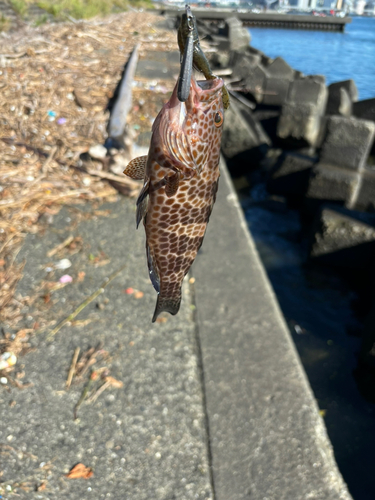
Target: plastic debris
66 279
129 291
3 380
63 264
61 121
7 359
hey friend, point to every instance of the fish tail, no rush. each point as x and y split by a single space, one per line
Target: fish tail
166 304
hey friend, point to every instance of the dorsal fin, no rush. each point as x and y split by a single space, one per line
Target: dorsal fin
136 169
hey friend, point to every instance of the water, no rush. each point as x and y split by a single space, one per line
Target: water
338 56
317 301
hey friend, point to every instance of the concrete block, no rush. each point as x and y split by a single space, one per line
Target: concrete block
347 142
219 60
348 85
330 183
308 91
300 118
239 37
317 78
243 64
343 238
265 60
365 196
279 68
299 123
255 83
365 109
275 91
291 174
219 42
339 102
242 137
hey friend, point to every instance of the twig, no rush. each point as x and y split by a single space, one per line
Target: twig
72 368
84 304
49 159
101 389
83 395
7 241
60 246
113 177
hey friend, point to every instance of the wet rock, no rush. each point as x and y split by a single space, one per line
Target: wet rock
301 114
290 175
347 142
343 238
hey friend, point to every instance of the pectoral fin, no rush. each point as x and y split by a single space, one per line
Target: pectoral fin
136 169
172 183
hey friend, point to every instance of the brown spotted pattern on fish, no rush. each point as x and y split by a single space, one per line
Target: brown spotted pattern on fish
180 182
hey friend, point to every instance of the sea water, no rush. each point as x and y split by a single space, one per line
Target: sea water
338 56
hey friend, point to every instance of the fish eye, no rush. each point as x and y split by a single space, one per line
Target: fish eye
218 120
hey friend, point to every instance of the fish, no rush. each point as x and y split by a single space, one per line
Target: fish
180 179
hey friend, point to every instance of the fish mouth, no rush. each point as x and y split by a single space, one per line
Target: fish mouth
208 85
206 91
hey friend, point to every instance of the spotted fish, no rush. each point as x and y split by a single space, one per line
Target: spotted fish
180 177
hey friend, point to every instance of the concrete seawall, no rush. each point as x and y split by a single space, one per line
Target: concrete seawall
267 439
269 19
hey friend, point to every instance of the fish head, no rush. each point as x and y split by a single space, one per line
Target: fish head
190 131
204 110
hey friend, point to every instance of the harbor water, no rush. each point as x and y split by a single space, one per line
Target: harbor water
317 302
338 56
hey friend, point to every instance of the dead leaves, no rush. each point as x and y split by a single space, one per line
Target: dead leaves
80 471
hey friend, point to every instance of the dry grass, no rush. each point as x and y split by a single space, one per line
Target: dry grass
55 84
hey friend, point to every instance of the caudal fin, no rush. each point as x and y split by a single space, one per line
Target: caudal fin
167 304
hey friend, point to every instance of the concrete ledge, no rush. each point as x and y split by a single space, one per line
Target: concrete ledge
267 440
